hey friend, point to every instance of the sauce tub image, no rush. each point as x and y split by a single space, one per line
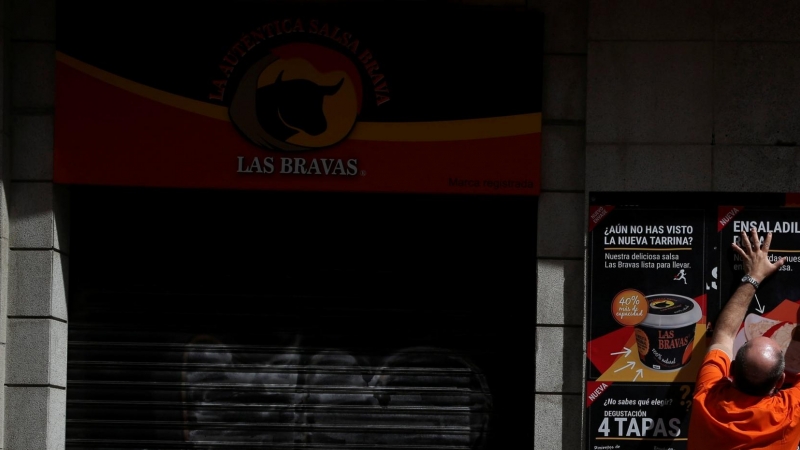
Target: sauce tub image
665 337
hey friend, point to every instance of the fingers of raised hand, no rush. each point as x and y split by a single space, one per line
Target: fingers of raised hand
767 242
756 242
743 246
746 245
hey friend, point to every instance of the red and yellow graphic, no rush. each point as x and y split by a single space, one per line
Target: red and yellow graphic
292 124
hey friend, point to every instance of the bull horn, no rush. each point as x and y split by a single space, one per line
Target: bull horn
330 90
279 79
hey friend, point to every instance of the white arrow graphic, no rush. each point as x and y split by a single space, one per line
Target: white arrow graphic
638 374
760 308
626 366
627 352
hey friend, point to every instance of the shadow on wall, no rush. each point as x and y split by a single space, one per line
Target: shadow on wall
420 396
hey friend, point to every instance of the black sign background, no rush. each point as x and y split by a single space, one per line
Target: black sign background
441 61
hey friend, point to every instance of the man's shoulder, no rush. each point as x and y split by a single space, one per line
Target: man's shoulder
715 367
718 351
792 392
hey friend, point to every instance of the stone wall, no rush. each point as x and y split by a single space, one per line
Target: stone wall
34 245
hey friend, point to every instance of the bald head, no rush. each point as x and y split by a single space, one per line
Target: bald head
758 368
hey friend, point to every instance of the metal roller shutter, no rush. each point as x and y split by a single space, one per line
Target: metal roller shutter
209 320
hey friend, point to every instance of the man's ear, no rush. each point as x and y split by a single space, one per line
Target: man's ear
780 381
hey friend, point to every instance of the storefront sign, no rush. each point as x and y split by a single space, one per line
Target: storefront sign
440 99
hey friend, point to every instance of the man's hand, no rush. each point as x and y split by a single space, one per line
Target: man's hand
756 263
756 256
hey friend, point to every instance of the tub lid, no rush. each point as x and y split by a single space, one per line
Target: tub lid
671 311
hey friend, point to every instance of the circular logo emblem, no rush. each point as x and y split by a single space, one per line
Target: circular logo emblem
300 96
662 303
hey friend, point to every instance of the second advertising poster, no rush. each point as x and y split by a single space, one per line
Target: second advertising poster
661 268
775 309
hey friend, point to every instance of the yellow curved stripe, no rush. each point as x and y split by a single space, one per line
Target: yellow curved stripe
202 108
448 130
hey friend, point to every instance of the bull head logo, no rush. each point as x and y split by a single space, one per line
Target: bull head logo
291 113
285 108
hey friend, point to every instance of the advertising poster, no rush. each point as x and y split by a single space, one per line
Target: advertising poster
775 309
351 97
647 323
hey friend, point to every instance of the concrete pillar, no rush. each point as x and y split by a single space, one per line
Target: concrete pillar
4 223
561 225
35 378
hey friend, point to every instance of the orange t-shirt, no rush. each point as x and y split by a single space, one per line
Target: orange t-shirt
725 418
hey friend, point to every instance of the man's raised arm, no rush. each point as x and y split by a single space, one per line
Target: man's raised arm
757 265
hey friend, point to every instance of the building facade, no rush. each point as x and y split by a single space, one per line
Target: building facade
636 98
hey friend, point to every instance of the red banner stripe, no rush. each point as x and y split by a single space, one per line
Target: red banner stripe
110 136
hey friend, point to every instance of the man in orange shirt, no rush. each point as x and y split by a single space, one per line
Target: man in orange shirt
740 405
